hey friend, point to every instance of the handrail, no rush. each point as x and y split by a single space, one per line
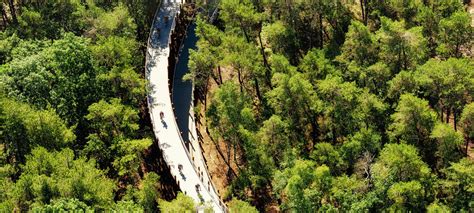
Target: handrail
217 200
208 176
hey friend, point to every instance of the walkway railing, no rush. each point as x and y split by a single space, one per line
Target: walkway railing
212 194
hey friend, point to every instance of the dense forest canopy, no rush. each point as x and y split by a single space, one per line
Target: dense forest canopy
314 105
72 107
341 105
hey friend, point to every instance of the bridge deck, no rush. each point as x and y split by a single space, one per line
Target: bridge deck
166 129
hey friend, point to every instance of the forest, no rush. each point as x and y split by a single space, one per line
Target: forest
73 130
341 106
312 105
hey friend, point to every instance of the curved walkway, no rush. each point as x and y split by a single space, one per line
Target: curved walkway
180 162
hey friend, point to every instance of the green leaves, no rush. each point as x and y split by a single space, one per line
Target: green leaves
148 194
459 184
182 203
456 33
112 119
116 22
406 195
131 155
467 120
359 46
53 175
399 162
400 48
23 128
449 144
238 206
412 121
113 127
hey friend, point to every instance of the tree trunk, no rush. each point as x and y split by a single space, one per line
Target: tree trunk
467 145
405 60
441 113
11 5
448 113
321 43
205 94
455 120
220 153
257 89
235 154
245 32
239 75
229 168
366 12
4 17
220 74
265 61
362 10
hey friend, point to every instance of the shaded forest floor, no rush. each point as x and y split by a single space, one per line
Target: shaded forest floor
215 162
215 150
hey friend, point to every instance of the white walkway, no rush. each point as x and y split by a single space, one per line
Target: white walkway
166 129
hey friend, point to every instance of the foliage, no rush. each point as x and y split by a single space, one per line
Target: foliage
182 203
413 122
456 33
324 106
52 175
24 128
239 206
62 66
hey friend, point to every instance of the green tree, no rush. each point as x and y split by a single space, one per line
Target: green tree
48 19
280 38
359 46
201 68
238 206
64 204
61 75
400 174
459 184
274 136
346 192
111 125
316 66
130 156
242 57
303 187
340 101
148 194
182 203
447 84
116 22
241 15
406 195
23 128
467 121
399 48
363 141
125 83
294 90
413 122
116 51
325 154
128 206
456 33
52 175
224 117
436 207
403 82
449 144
